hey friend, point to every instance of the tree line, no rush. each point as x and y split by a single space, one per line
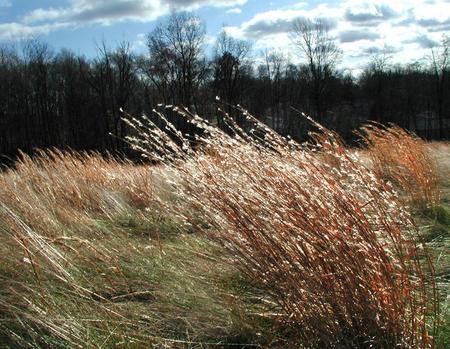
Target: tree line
61 99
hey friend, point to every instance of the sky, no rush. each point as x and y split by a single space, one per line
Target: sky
404 30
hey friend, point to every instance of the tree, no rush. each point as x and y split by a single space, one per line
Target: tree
177 65
315 44
112 76
271 73
230 65
38 56
15 128
440 65
374 82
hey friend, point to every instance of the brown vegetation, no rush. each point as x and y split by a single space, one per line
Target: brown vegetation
97 252
404 159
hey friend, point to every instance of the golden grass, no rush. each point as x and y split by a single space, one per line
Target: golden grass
404 159
317 230
89 259
330 255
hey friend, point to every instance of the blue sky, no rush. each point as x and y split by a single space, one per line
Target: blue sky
406 30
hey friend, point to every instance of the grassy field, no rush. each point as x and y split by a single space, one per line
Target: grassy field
435 225
246 241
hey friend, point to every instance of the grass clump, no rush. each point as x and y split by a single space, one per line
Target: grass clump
327 241
421 172
404 159
89 259
436 220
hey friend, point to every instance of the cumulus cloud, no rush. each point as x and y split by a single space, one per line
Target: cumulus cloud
423 41
235 10
108 12
96 11
362 27
375 50
357 35
19 31
140 41
370 14
431 24
184 4
434 25
263 28
281 21
404 27
83 12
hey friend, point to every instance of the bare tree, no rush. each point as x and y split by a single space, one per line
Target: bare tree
272 72
440 65
230 64
176 58
322 54
112 76
124 80
374 81
38 56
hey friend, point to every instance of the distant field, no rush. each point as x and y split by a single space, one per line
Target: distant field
244 242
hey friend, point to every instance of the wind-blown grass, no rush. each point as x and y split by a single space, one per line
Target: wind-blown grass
236 238
88 259
318 231
404 159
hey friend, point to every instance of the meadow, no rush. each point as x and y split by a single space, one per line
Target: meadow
232 239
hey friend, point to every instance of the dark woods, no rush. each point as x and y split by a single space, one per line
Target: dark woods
64 100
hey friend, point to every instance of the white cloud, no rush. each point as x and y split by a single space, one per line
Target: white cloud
279 21
369 15
85 12
195 4
235 10
357 35
100 12
406 28
18 31
108 12
299 5
140 41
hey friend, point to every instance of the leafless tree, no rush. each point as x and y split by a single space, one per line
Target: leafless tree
177 65
440 65
375 77
113 77
315 44
272 71
230 64
38 56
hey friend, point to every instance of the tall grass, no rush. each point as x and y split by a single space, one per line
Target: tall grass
98 252
88 259
327 239
404 159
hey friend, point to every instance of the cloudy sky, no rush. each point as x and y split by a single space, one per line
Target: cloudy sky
404 29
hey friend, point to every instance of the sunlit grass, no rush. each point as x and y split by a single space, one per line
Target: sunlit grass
242 240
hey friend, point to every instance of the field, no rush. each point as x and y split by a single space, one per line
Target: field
239 239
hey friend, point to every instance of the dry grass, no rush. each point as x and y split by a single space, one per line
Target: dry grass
404 159
242 237
318 231
89 259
